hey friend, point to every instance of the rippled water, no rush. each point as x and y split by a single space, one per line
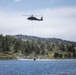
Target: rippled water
52 67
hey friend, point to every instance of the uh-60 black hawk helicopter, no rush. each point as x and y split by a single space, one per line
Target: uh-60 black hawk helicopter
34 18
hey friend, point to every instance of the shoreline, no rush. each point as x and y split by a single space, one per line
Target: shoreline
44 59
37 59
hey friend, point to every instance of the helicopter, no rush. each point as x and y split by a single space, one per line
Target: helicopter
34 18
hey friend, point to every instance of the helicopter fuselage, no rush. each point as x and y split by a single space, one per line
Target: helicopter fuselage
34 18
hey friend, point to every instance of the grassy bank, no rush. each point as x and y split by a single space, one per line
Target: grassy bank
7 57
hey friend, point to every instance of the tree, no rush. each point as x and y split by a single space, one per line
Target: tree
49 48
42 46
62 47
70 48
74 55
60 55
17 45
42 52
5 45
1 39
27 51
65 56
69 55
56 55
37 50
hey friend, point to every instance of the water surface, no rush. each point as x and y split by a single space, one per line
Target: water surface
30 67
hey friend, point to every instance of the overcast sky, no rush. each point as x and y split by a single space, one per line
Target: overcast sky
59 18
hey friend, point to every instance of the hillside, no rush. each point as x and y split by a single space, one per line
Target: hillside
35 38
23 46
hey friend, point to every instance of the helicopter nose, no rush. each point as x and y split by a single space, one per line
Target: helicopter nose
28 18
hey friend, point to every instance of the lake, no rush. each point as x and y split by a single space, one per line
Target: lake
40 67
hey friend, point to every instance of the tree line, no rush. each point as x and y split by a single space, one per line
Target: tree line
58 49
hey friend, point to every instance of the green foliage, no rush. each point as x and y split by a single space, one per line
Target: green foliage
62 47
4 57
46 48
60 55
65 56
56 55
74 55
69 55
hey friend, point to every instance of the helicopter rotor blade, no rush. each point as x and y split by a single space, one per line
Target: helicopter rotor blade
37 15
26 15
31 15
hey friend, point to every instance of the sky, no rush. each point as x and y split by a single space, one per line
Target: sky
59 18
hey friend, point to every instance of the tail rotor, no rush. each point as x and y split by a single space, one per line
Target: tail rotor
41 18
